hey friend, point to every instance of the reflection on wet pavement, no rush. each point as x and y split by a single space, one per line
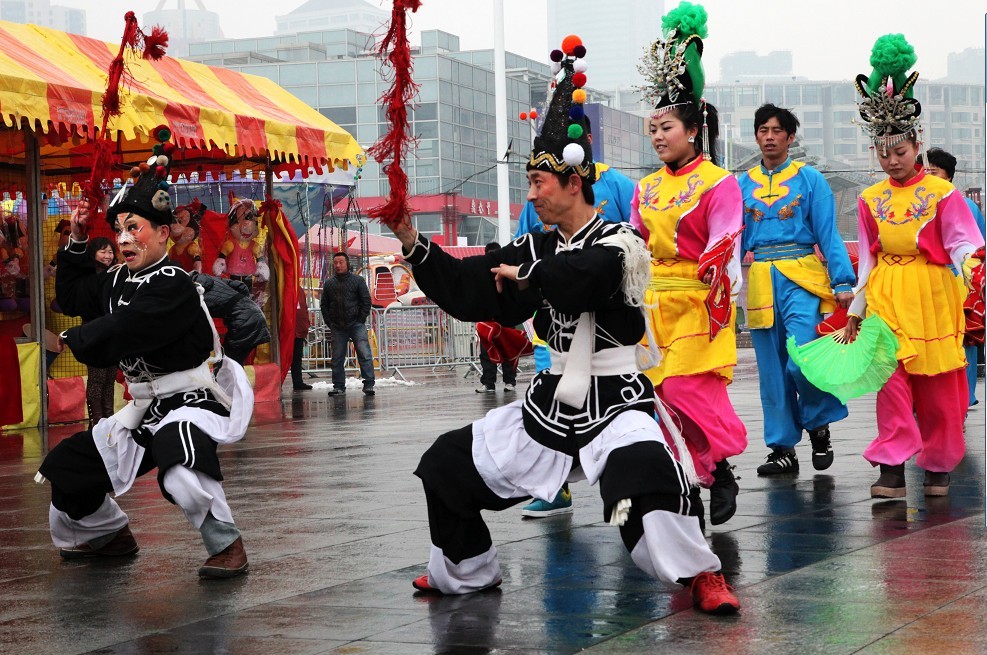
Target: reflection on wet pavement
335 527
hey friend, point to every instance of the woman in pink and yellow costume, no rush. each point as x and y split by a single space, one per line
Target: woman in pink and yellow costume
690 213
912 227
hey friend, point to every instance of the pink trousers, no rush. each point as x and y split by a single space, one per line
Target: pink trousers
923 415
710 426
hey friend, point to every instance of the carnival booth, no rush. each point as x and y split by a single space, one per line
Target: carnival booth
233 135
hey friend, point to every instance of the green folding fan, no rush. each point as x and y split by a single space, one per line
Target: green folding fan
849 370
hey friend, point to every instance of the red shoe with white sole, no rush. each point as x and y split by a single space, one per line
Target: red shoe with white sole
712 594
421 584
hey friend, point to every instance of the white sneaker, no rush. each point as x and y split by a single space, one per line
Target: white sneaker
508 387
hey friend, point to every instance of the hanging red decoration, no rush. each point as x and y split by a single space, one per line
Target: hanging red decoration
135 40
393 146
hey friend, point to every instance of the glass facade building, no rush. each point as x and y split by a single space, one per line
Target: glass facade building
452 170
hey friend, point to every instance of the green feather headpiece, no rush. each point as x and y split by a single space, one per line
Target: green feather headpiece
673 65
887 106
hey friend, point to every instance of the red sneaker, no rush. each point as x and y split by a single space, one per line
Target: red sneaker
421 584
712 594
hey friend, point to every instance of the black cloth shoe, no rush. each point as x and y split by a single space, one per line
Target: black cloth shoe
822 449
301 387
780 460
723 494
891 483
369 391
336 391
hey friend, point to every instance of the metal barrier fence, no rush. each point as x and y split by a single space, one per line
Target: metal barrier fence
401 337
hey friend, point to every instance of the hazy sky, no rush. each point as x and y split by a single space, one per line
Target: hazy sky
830 39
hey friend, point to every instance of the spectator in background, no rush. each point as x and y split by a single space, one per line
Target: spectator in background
488 375
302 325
100 381
345 306
942 164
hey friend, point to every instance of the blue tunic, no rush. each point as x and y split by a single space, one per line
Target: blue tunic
791 210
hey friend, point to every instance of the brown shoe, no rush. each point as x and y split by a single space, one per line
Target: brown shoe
122 543
229 563
936 484
891 483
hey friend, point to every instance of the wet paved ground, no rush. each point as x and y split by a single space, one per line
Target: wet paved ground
335 527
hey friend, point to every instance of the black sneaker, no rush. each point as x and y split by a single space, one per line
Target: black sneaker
723 494
369 391
337 391
780 460
822 450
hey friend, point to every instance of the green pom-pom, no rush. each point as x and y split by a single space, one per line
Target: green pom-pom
891 56
687 19
575 131
158 149
163 134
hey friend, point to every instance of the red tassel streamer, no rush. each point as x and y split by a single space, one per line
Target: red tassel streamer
394 145
103 156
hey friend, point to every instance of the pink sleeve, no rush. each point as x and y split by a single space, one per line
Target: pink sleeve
636 221
725 214
865 258
960 234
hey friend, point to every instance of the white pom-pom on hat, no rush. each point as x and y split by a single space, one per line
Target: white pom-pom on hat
573 154
580 66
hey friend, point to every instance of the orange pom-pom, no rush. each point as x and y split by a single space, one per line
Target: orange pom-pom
579 96
570 43
524 116
135 172
533 114
144 167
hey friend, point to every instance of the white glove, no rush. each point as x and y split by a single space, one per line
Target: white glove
219 266
263 271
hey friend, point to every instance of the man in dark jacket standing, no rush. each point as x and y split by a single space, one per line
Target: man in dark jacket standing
345 306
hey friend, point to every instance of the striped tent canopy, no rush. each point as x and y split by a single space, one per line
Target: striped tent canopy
52 82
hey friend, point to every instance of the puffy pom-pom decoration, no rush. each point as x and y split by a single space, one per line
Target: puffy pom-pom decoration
160 172
892 55
144 167
576 113
579 80
580 66
534 114
573 154
570 43
556 55
162 133
162 160
161 200
524 116
135 172
575 131
556 67
157 149
168 148
163 185
579 96
579 51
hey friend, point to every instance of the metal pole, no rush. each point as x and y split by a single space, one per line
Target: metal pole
35 224
500 89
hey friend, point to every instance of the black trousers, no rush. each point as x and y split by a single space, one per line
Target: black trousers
296 363
488 375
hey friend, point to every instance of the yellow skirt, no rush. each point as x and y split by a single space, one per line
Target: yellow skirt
923 304
681 325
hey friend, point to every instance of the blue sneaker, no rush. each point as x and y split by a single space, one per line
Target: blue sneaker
561 504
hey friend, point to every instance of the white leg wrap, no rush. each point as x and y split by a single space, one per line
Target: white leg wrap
470 575
673 547
197 494
66 532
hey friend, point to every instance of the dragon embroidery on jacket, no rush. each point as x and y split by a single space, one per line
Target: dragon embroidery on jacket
649 196
685 197
788 210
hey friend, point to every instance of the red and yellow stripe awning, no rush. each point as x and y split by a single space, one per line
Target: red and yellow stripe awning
55 81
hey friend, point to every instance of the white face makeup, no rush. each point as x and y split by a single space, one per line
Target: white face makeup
141 243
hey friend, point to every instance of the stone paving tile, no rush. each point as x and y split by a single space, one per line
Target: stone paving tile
336 528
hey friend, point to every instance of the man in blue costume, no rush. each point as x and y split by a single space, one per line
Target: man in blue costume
613 191
789 210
